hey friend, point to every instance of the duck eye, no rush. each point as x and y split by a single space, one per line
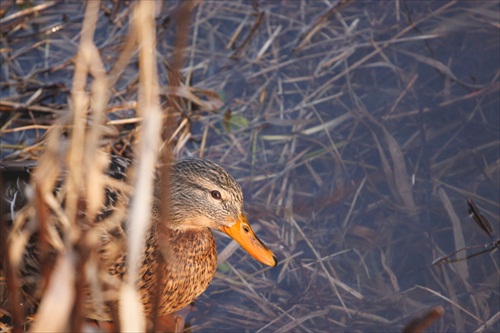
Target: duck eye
216 195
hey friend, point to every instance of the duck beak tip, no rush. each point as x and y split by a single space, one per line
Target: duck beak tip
242 233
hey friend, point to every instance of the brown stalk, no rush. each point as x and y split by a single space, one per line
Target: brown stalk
12 280
131 312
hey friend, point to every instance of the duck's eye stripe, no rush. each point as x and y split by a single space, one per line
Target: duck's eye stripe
216 195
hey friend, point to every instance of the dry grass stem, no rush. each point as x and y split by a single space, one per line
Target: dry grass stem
131 310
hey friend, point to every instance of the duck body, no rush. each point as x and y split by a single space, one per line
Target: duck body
180 256
173 275
186 275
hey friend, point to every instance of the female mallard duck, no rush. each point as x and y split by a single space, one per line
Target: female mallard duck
181 250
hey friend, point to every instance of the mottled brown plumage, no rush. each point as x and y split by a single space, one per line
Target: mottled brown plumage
180 257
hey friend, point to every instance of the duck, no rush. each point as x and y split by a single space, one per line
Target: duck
180 255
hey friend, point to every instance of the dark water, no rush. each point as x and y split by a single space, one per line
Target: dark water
368 200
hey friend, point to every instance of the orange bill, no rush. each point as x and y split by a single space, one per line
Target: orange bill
244 235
